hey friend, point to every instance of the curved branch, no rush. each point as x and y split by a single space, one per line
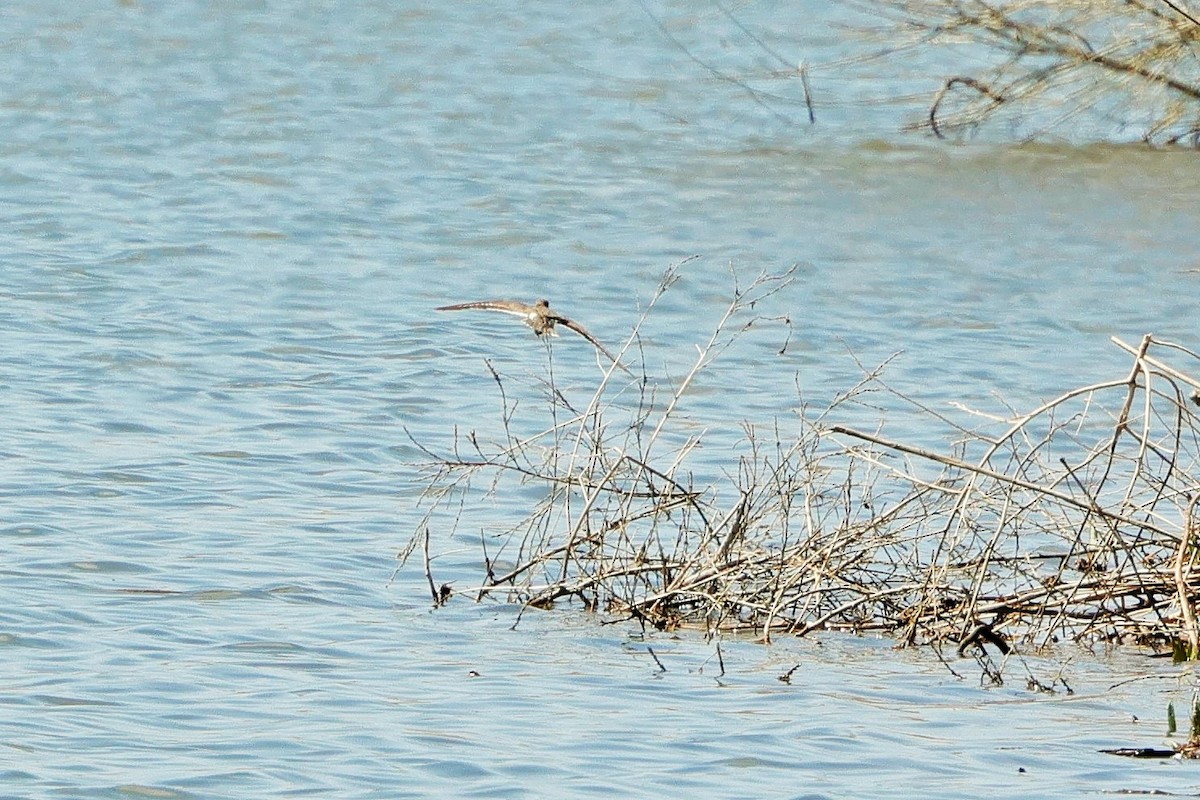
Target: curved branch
978 86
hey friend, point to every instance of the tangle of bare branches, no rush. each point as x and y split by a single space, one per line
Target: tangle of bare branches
1130 63
1075 521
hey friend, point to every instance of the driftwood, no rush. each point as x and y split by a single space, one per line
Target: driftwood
1044 66
1075 520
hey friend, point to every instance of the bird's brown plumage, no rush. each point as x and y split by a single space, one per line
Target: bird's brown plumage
537 316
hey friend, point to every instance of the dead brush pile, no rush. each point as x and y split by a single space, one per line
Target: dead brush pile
1077 520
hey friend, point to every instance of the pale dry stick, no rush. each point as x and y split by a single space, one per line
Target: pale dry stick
1173 346
629 551
1147 507
1057 579
689 496
545 469
743 592
689 579
508 464
434 490
1165 368
722 572
778 486
504 461
520 445
1123 425
706 355
976 470
1107 546
928 410
407 551
816 567
999 476
849 605
701 361
536 528
589 501
984 564
1072 590
659 618
682 453
777 582
1148 367
716 563
548 593
464 473
810 522
774 575
1141 62
1078 101
1070 604
734 531
870 377
786 584
958 528
691 587
1087 610
1150 512
822 574
1016 602
1030 45
669 278
522 568
437 500
1128 67
1120 608
1023 421
907 476
664 501
709 352
736 522
1181 581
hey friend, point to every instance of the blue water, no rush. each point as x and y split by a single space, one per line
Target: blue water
225 227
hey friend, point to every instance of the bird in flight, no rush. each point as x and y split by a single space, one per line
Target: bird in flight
537 316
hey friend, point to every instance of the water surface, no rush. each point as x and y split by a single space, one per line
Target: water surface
225 228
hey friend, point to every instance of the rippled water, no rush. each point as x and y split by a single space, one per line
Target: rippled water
225 227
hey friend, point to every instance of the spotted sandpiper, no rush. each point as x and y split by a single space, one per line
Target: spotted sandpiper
537 316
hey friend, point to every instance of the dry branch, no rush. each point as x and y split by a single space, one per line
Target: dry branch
1128 63
1076 520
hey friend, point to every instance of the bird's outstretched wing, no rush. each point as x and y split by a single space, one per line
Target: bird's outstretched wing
503 306
582 331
